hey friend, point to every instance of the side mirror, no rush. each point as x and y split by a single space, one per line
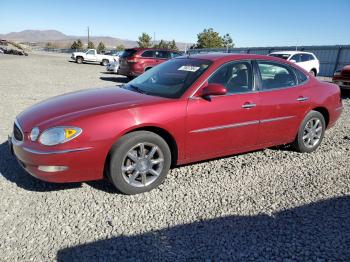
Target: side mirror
292 61
213 90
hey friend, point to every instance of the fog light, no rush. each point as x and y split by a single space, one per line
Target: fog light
52 168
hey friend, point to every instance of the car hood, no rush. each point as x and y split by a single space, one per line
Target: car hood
80 103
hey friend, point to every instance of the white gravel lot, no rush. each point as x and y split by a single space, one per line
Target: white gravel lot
272 204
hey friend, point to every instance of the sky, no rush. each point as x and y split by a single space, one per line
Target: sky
249 22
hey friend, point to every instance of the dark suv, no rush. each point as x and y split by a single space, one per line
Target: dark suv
134 61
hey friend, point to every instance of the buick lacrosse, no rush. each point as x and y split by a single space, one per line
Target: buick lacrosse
187 109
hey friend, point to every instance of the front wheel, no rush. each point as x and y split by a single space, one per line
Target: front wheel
79 60
310 133
104 62
139 162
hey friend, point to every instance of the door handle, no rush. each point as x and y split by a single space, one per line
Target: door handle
302 98
248 105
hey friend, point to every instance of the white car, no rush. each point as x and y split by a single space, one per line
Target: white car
113 67
92 55
307 61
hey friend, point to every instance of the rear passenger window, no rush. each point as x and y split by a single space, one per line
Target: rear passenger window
162 54
305 57
148 54
276 75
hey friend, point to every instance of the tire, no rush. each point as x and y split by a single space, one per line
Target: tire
79 60
312 72
133 172
104 62
308 138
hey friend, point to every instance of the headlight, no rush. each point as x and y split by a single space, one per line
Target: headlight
58 135
34 134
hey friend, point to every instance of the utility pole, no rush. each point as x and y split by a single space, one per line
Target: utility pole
88 29
154 38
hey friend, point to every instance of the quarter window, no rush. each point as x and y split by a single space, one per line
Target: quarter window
300 76
276 75
236 77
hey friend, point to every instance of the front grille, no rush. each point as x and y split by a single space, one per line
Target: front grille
17 133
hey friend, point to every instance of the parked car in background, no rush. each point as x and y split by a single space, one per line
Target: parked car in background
113 67
135 61
342 77
187 109
92 55
307 61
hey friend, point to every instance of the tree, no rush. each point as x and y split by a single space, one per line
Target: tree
172 45
79 44
101 47
162 44
211 39
74 45
166 45
228 42
120 47
91 45
144 40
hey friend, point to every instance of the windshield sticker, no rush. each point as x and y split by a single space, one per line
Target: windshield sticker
189 68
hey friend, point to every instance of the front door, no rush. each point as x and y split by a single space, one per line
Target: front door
225 124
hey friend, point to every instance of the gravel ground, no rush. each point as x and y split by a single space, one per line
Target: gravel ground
273 204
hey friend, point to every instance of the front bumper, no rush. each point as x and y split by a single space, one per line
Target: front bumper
77 164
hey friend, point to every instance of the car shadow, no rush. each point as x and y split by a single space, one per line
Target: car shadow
117 79
317 232
13 172
345 94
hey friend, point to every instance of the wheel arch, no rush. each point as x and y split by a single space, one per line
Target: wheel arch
163 133
324 111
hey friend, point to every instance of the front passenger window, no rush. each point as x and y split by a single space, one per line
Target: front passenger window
237 77
276 76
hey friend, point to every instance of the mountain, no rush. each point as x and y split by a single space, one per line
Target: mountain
35 36
59 39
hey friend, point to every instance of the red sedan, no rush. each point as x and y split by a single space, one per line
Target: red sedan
187 109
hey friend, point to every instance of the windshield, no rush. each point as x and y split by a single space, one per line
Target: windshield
283 56
170 79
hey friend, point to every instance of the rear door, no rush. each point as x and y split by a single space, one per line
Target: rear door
284 102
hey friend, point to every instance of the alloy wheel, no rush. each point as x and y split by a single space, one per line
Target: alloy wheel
312 132
142 164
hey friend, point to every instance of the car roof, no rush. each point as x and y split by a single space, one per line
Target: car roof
151 48
227 56
291 52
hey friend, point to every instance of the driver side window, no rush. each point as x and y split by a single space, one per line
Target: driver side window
237 77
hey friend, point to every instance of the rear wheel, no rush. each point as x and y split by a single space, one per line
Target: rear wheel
139 162
313 72
310 133
79 60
